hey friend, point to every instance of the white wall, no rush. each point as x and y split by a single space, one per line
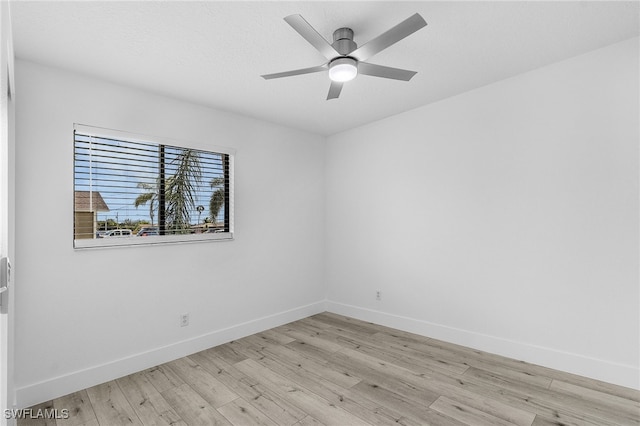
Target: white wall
84 317
504 219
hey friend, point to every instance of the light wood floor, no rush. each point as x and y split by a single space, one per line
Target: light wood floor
333 370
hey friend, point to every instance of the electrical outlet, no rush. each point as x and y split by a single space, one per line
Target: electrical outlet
378 295
184 320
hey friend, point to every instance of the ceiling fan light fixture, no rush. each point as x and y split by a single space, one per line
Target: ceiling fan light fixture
343 69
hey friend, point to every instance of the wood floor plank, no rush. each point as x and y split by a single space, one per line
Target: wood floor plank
162 378
413 386
554 401
347 323
596 385
308 365
597 397
401 381
520 374
353 402
306 352
378 347
563 421
240 413
466 414
227 374
336 395
79 406
417 412
211 389
562 412
317 407
490 362
278 409
111 406
91 423
228 353
418 361
311 339
224 365
150 407
493 407
192 408
274 336
463 357
389 347
536 400
309 421
319 354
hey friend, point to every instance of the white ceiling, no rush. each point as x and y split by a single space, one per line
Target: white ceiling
213 53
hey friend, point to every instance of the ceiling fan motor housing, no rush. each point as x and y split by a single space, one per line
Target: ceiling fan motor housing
343 41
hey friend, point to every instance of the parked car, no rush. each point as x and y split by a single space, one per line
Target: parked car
115 233
148 232
214 231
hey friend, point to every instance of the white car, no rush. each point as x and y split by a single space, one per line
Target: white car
118 233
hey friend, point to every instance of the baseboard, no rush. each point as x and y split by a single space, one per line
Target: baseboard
62 385
619 374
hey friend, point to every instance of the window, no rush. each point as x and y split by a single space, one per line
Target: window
131 190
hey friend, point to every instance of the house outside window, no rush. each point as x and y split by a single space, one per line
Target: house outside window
87 204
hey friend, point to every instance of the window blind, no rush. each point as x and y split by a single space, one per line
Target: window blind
126 189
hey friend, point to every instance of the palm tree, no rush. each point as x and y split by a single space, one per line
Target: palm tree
217 198
150 197
180 190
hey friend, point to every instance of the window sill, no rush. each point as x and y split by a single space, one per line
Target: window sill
150 240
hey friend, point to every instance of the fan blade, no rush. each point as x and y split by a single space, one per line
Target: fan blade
334 90
295 72
311 35
386 39
385 72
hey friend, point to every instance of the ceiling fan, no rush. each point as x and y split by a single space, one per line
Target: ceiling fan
345 58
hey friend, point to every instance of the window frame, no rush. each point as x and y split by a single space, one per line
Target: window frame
159 239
